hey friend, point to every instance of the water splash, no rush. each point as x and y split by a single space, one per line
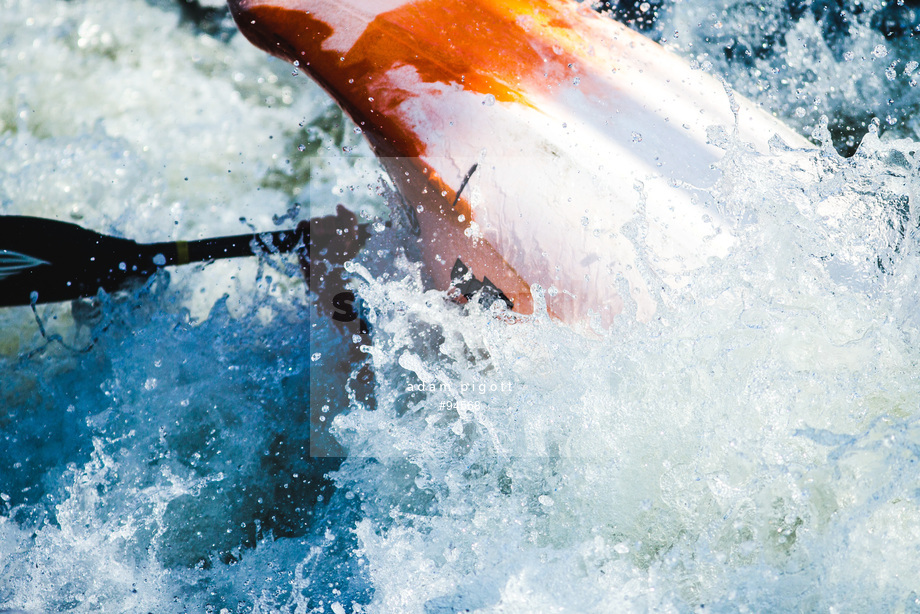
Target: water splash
753 447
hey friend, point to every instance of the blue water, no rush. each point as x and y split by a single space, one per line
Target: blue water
196 444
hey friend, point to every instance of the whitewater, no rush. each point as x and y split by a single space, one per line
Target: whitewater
196 443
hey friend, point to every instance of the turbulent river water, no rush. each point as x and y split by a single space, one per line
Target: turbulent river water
195 444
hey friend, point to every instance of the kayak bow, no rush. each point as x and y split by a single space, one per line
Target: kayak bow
535 142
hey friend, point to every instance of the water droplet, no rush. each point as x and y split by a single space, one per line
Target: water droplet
159 260
636 137
489 100
880 51
316 356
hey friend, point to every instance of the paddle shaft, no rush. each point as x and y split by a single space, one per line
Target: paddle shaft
177 253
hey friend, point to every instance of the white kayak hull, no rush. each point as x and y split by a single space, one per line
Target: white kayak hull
590 146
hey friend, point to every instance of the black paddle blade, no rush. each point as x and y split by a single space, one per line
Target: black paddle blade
44 261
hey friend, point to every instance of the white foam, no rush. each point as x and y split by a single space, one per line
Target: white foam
753 446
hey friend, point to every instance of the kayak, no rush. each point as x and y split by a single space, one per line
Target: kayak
538 145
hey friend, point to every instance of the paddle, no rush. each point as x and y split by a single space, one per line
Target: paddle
43 261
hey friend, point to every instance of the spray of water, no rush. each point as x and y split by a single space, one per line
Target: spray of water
752 448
